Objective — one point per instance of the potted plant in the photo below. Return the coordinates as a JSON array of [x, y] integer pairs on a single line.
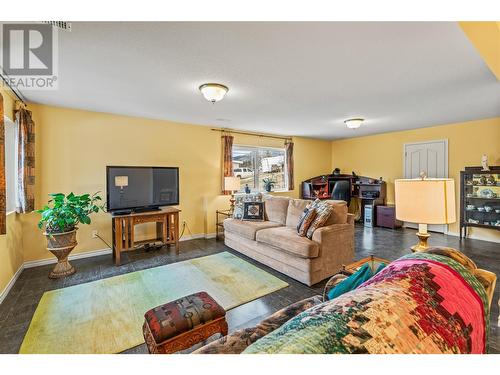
[[60, 218], [268, 184]]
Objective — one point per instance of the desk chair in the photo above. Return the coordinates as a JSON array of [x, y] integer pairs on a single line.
[[342, 191]]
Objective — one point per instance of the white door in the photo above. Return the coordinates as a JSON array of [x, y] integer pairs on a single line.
[[429, 157]]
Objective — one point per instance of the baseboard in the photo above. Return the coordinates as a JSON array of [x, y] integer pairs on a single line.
[[475, 237], [87, 254], [197, 236], [95, 253], [9, 286], [188, 237]]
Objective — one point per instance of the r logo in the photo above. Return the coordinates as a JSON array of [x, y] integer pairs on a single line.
[[27, 49]]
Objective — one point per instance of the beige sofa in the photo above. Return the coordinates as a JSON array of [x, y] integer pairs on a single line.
[[275, 242]]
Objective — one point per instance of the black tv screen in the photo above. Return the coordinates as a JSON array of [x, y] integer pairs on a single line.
[[141, 187]]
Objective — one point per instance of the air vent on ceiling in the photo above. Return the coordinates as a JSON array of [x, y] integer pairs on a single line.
[[62, 25]]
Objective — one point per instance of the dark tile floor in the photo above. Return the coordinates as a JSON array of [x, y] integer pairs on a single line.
[[17, 309]]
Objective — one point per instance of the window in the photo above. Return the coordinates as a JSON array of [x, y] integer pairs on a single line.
[[10, 164], [254, 164]]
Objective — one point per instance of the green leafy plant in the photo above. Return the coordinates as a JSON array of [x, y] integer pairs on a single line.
[[63, 213], [268, 183]]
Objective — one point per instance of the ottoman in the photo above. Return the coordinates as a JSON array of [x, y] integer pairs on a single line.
[[182, 323]]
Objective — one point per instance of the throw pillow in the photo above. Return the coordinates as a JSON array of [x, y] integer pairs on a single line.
[[323, 211], [305, 222], [352, 282], [380, 267], [241, 199], [253, 211]]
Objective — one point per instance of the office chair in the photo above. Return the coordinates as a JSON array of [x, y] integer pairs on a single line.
[[342, 191]]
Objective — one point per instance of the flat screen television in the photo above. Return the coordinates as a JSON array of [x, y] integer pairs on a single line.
[[141, 188]]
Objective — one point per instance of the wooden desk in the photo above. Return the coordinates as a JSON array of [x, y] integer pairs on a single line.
[[167, 230], [371, 192]]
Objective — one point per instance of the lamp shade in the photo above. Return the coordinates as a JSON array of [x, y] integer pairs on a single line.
[[121, 181], [232, 183], [425, 201]]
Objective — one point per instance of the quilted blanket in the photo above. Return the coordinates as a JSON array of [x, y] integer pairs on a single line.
[[421, 303]]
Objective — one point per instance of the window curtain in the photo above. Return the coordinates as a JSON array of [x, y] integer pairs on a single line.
[[227, 159], [3, 218], [289, 164], [26, 161]]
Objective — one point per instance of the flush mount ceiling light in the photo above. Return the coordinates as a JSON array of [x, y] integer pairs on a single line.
[[213, 92], [354, 123]]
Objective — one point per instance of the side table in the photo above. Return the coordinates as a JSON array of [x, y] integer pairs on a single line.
[[220, 215]]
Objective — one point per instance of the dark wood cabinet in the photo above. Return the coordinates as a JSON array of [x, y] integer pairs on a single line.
[[479, 199], [386, 217]]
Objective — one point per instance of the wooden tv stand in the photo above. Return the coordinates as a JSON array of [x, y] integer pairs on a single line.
[[167, 230]]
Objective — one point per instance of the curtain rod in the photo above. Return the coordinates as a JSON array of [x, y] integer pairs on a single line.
[[222, 130], [19, 96]]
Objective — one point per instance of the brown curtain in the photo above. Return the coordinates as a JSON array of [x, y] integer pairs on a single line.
[[289, 164], [227, 159], [3, 218], [26, 161]]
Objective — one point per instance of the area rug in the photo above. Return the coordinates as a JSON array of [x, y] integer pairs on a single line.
[[106, 316]]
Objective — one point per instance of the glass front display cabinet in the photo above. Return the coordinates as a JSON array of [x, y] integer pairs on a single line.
[[479, 199]]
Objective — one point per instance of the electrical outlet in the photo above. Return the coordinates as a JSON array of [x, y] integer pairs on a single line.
[[94, 234]]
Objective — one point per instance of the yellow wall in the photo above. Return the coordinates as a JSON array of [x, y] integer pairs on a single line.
[[11, 250], [11, 245], [382, 155], [73, 148], [485, 36]]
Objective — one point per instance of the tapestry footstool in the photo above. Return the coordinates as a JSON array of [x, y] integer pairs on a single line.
[[182, 323]]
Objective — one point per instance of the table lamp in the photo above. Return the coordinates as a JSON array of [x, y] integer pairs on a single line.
[[232, 184], [425, 201], [121, 181]]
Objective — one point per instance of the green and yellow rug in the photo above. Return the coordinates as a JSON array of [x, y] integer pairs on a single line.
[[106, 316]]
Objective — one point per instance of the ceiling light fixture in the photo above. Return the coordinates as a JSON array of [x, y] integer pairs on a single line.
[[354, 123], [213, 92]]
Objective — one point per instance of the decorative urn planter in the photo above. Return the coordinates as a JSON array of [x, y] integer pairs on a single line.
[[61, 245], [62, 213]]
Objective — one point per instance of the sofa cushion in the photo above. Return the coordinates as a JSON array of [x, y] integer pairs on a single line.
[[247, 229], [295, 210], [339, 213], [287, 239], [276, 209]]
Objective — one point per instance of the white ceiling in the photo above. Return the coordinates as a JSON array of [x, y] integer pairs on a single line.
[[293, 78]]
